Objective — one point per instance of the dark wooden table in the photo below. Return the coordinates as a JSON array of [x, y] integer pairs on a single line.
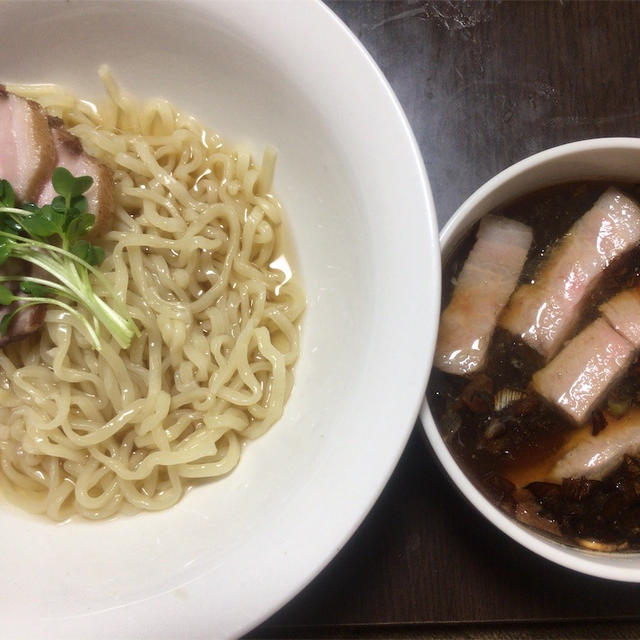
[[483, 84]]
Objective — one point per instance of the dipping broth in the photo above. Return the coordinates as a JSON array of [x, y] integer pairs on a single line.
[[512, 440]]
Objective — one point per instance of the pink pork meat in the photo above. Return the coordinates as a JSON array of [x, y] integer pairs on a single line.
[[544, 313], [596, 456], [23, 324], [579, 376], [26, 160], [70, 155], [623, 314], [31, 145], [488, 277], [26, 148]]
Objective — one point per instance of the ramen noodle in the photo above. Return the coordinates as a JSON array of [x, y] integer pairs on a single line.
[[195, 253]]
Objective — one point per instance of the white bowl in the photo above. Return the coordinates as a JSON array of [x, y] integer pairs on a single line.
[[362, 219], [616, 159]]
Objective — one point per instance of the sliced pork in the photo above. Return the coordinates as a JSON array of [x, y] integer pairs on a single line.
[[595, 456], [26, 148], [623, 314], [580, 375], [488, 277], [70, 155], [544, 313], [27, 159], [31, 146], [24, 323]]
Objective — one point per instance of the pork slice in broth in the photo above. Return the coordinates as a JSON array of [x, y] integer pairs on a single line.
[[26, 147], [544, 313], [488, 277], [594, 457], [582, 373], [623, 314]]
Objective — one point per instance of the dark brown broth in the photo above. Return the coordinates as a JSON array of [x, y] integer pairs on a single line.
[[493, 446]]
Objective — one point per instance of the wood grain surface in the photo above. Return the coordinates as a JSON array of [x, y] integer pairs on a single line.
[[484, 84]]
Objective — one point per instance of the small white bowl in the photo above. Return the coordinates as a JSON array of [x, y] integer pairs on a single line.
[[616, 159]]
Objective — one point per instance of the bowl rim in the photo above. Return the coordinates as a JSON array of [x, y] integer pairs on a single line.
[[580, 560]]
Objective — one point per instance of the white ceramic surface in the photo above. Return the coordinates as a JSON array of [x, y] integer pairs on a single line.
[[607, 159], [363, 225]]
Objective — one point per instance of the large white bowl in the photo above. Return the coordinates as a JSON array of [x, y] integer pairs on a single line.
[[615, 159], [363, 225]]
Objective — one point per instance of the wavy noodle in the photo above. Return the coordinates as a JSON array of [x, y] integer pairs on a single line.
[[196, 253]]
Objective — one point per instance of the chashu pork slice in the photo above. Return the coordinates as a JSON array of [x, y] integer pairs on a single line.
[[581, 374], [544, 313], [488, 277], [24, 323], [26, 147], [31, 146], [70, 155], [595, 456], [27, 159], [623, 314]]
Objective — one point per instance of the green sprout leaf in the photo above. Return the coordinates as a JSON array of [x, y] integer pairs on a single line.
[[62, 181], [81, 249], [4, 323], [10, 226], [59, 204], [67, 186], [80, 185], [53, 215], [78, 226], [5, 251], [7, 197], [37, 226], [51, 238], [35, 289], [96, 257], [6, 297]]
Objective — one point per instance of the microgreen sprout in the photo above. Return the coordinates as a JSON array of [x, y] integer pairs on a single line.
[[51, 237]]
